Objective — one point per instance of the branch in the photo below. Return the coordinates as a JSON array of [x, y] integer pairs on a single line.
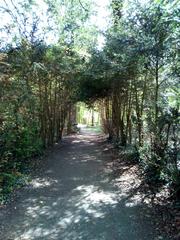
[[13, 16], [83, 6]]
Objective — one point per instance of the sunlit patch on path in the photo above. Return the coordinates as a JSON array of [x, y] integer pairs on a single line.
[[75, 198]]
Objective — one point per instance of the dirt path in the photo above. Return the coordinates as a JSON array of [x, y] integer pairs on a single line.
[[73, 198]]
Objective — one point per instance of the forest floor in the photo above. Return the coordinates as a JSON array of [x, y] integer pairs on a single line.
[[76, 195]]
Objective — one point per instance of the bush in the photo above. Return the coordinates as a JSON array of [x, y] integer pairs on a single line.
[[17, 146], [151, 162]]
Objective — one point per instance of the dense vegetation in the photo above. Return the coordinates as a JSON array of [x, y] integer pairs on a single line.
[[38, 79], [50, 60], [137, 76]]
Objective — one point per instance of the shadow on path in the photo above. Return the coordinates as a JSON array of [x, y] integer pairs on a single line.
[[73, 198]]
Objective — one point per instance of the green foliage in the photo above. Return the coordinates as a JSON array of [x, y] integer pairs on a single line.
[[134, 79], [93, 84], [137, 75], [151, 163], [38, 81], [9, 181]]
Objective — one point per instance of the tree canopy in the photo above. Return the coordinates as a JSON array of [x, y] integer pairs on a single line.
[[51, 58]]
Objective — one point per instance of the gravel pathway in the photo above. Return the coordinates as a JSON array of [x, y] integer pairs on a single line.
[[74, 198]]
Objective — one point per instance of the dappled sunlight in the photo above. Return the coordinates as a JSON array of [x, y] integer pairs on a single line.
[[134, 201], [128, 181], [42, 182], [83, 208], [76, 141], [94, 195], [88, 206], [77, 195], [37, 233], [89, 119], [85, 158]]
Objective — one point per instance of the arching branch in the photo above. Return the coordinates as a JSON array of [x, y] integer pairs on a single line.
[[83, 6]]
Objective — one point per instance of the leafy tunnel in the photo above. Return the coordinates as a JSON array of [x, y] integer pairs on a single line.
[[119, 58]]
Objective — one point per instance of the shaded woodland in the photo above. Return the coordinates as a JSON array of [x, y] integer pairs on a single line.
[[51, 60]]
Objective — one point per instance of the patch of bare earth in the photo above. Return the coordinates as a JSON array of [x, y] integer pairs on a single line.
[[128, 176]]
